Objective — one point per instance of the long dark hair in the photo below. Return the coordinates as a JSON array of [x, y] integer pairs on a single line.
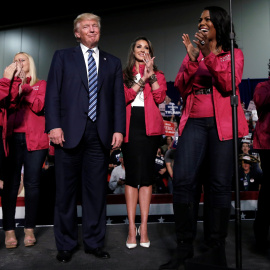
[[221, 20], [128, 71]]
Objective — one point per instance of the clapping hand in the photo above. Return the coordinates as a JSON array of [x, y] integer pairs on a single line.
[[149, 65], [20, 73], [10, 71], [193, 52]]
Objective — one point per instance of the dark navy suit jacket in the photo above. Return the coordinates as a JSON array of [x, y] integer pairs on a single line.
[[66, 101]]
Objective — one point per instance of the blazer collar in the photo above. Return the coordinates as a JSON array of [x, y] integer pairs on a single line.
[[79, 60]]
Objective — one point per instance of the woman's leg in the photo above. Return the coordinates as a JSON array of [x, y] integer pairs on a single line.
[[131, 194], [189, 156], [11, 186], [217, 188], [145, 195], [33, 161]]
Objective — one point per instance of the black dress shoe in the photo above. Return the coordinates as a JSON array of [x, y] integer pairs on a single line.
[[64, 256], [99, 253]]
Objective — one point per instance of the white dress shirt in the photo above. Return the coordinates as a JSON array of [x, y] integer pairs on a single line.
[[86, 54], [139, 99]]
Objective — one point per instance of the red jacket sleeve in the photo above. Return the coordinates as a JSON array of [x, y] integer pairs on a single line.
[[160, 93], [183, 80], [261, 95], [130, 94], [220, 69], [14, 93], [34, 95], [4, 88]]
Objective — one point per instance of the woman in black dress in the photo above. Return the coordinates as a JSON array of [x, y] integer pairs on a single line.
[[145, 87]]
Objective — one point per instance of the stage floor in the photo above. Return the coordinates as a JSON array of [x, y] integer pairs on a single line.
[[42, 256]]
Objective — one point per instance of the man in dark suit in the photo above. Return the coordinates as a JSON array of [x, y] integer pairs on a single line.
[[85, 117]]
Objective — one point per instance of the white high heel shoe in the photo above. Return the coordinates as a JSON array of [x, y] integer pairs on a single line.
[[146, 244], [130, 246]]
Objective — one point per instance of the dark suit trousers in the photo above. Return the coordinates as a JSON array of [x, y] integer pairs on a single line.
[[81, 171]]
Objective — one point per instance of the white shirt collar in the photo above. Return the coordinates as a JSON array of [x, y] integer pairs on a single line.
[[86, 54], [85, 49]]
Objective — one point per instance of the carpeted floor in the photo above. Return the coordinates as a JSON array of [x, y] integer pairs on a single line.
[[42, 256]]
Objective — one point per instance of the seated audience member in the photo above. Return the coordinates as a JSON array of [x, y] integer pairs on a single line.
[[160, 171], [117, 180], [249, 178], [245, 147], [114, 158], [169, 161], [167, 145]]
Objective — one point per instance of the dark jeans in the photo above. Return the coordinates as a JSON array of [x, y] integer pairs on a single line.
[[199, 146], [32, 161]]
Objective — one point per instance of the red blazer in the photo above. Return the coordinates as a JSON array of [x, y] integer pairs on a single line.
[[153, 119], [4, 92], [32, 99], [261, 97], [220, 68]]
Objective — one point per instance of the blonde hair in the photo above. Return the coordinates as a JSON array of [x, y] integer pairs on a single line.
[[32, 68], [85, 16]]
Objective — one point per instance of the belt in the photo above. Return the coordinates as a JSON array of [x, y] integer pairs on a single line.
[[204, 91]]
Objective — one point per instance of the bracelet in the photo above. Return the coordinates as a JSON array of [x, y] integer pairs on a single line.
[[152, 78], [141, 82]]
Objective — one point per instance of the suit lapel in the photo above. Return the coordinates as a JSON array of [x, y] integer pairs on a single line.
[[79, 60], [102, 70]]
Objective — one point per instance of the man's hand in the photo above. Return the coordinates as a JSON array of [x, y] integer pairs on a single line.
[[120, 182], [1, 184], [117, 140], [57, 136], [162, 171]]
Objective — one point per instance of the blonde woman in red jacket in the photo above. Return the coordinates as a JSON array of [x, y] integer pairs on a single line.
[[145, 87], [28, 146]]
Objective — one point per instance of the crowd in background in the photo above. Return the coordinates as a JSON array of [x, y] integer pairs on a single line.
[[250, 172]]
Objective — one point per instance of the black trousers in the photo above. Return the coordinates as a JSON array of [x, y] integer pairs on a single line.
[[81, 170]]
